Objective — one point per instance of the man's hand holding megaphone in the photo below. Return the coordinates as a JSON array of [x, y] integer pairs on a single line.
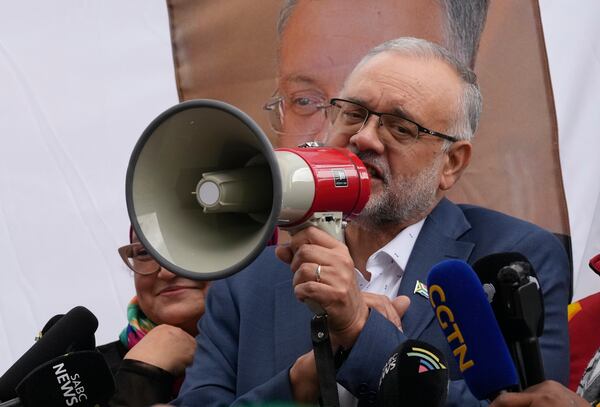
[[335, 289]]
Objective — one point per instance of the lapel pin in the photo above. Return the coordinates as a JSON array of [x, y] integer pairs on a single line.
[[421, 289]]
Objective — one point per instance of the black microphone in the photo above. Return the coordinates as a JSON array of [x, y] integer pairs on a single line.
[[467, 320], [51, 322], [416, 374], [84, 343], [79, 379], [519, 308], [74, 328]]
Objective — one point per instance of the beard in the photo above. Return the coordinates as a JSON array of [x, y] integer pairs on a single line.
[[404, 200]]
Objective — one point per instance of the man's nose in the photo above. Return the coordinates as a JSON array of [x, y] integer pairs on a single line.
[[367, 138]]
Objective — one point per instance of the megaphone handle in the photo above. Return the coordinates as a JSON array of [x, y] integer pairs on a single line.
[[330, 222], [315, 307]]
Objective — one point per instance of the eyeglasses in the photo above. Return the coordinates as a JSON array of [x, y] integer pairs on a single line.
[[136, 257], [349, 118], [302, 113]]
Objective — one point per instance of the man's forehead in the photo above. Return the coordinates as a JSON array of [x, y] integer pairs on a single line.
[[404, 70], [323, 40], [413, 87], [345, 23]]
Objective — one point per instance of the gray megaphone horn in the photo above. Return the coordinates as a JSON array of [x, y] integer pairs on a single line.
[[205, 189]]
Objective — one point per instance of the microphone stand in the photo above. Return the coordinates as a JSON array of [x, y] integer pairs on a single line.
[[520, 315]]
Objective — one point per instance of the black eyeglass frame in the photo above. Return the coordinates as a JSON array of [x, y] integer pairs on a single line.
[[420, 128]]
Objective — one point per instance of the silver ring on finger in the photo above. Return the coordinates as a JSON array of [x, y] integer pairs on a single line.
[[318, 273]]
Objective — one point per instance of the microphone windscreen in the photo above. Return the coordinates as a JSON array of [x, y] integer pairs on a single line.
[[466, 318], [74, 327], [416, 374], [87, 342], [51, 322], [487, 267], [78, 379]]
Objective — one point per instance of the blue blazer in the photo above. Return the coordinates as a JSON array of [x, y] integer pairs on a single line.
[[254, 328]]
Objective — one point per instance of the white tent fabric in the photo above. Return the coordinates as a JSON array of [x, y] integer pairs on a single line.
[[573, 44], [81, 80]]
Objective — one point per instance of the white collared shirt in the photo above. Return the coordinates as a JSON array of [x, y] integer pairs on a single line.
[[386, 266]]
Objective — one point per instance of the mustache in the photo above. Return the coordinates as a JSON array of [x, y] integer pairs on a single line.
[[374, 159]]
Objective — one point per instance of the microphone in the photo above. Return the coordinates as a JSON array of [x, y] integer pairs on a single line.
[[73, 329], [466, 318], [519, 308], [85, 343], [78, 379], [415, 375], [51, 322]]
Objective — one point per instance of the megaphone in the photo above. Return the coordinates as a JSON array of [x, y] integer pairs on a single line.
[[205, 189]]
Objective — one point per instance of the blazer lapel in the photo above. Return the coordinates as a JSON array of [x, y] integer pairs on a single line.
[[436, 242]]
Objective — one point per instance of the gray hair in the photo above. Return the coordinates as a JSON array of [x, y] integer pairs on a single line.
[[284, 15], [465, 20], [469, 101]]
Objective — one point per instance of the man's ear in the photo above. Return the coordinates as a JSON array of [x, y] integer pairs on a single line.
[[456, 160]]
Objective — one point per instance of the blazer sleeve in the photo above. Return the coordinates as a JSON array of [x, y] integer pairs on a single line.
[[361, 371], [211, 380], [140, 384]]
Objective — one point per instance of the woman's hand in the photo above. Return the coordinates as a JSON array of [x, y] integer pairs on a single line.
[[167, 347]]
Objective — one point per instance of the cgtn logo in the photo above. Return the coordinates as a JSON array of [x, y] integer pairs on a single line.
[[445, 318], [71, 386]]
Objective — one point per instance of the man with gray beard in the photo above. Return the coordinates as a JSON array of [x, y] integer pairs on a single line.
[[409, 109], [402, 199]]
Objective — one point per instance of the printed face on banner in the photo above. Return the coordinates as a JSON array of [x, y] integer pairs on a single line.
[[323, 40]]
